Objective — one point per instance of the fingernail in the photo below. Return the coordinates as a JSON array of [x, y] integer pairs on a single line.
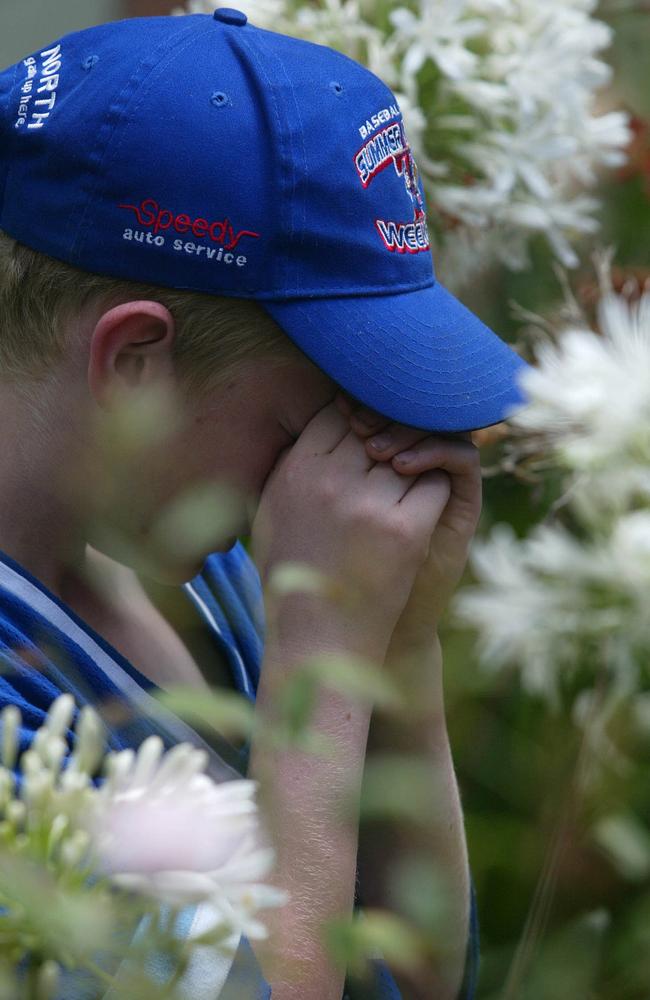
[[405, 457], [381, 442]]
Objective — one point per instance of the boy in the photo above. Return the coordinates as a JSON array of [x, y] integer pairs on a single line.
[[229, 222]]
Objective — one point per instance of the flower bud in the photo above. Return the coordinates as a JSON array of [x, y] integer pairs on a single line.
[[58, 829], [16, 814], [47, 982], [7, 787], [89, 743], [74, 850], [10, 720], [60, 715]]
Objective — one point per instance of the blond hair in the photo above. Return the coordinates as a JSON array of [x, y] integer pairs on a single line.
[[40, 298]]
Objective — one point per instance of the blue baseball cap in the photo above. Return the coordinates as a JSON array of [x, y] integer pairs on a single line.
[[203, 153]]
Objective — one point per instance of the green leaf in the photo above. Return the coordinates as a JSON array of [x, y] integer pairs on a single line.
[[226, 712], [296, 702], [373, 934], [190, 524], [420, 891], [627, 844], [296, 578], [400, 787], [355, 677]]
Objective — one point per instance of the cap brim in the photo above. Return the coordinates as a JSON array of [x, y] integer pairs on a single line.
[[420, 357]]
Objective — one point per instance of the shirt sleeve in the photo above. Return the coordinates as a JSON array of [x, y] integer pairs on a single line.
[[245, 980]]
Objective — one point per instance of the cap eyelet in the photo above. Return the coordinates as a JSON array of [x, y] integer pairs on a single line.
[[89, 62], [219, 99], [336, 87]]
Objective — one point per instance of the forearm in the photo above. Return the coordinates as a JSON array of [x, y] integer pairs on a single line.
[[302, 796], [440, 839]]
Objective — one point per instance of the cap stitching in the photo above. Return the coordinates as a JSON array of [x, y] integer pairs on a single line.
[[245, 42], [449, 400], [405, 315], [291, 201], [296, 105], [378, 291], [364, 360], [117, 110], [374, 358]]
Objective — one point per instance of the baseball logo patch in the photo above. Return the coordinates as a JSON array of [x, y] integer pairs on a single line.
[[383, 147]]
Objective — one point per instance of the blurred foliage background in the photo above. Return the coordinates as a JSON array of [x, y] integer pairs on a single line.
[[515, 756]]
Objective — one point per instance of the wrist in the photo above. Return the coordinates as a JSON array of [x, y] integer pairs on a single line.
[[304, 625], [416, 633], [417, 666]]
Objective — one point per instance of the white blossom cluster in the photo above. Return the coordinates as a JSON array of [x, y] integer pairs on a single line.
[[499, 101], [590, 402], [550, 602], [558, 599], [156, 826]]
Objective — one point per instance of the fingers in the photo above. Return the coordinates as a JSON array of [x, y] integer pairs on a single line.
[[427, 498], [328, 433], [458, 458], [362, 419], [383, 480], [324, 431], [413, 452], [392, 439], [384, 438], [395, 438], [351, 454]]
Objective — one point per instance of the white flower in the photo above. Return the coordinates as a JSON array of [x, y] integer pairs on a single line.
[[163, 828], [590, 398], [438, 31], [545, 602], [559, 601], [338, 23], [157, 825], [542, 46], [513, 607]]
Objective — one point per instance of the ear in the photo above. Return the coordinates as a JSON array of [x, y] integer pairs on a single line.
[[131, 347]]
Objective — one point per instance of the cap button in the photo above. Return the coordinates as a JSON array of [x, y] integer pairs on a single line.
[[230, 16]]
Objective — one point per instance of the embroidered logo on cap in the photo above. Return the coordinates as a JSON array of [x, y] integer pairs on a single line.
[[156, 221], [38, 97], [386, 147], [150, 215]]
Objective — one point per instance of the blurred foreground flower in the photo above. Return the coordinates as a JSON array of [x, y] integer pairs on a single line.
[[163, 828], [498, 98], [156, 830]]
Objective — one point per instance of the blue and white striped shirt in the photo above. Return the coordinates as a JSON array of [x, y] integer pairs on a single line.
[[47, 650]]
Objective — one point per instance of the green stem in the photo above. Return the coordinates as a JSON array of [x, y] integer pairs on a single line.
[[538, 913], [32, 981], [181, 968], [99, 972]]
